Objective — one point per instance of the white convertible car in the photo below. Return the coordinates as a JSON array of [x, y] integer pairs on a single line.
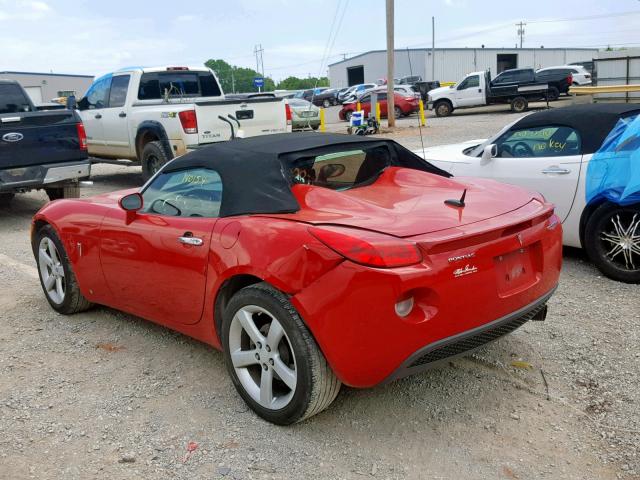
[[549, 152]]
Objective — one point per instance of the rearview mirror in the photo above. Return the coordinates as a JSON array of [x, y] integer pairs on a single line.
[[131, 202], [330, 171], [489, 152]]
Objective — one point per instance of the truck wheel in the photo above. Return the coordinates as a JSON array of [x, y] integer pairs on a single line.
[[443, 109], [272, 358], [326, 103], [153, 158], [5, 199], [553, 94], [519, 104], [612, 241], [68, 191]]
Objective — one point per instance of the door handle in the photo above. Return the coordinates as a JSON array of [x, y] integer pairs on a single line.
[[189, 239], [556, 170], [98, 116], [122, 114]]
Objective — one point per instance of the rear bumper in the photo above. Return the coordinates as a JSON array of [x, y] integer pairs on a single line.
[[466, 342], [37, 176]]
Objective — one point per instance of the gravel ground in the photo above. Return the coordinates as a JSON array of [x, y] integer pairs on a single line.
[[103, 394]]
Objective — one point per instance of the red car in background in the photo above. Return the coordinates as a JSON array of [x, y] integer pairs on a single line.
[[404, 105], [310, 259]]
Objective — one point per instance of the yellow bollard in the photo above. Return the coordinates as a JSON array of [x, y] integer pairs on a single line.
[[322, 124], [357, 106], [422, 120], [378, 112]]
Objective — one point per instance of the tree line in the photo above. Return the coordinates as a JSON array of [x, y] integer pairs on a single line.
[[235, 79]]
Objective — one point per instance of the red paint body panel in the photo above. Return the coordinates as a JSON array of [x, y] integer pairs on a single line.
[[408, 105], [135, 263]]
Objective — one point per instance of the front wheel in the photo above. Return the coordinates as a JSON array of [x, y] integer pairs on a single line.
[[553, 94], [274, 362], [443, 109], [347, 116], [58, 281], [326, 103], [397, 112], [612, 241]]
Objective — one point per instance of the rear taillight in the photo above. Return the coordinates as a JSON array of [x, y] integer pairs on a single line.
[[189, 121], [368, 248], [287, 110], [570, 79], [82, 136]]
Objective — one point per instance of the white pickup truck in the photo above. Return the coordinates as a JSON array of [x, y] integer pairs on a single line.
[[151, 115]]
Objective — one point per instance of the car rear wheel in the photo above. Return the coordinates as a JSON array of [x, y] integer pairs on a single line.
[[56, 276], [347, 115], [443, 109], [273, 360], [153, 159], [612, 241], [398, 112], [553, 94]]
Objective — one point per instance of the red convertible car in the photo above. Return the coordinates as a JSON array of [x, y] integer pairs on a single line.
[[311, 260]]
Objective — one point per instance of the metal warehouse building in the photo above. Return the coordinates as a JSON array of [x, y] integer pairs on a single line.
[[449, 64], [42, 87]]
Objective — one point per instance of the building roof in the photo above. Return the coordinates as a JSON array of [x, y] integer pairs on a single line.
[[425, 49], [47, 74]]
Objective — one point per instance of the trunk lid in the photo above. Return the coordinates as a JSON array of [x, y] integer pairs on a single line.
[[405, 203]]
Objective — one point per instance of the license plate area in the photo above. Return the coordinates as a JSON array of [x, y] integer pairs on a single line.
[[515, 271], [306, 114]]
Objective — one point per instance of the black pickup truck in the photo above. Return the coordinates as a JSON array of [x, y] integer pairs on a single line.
[[39, 149], [557, 82]]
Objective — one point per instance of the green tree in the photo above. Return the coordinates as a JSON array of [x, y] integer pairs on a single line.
[[241, 78], [295, 83]]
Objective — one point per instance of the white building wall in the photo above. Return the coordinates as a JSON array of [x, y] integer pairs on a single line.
[[50, 85], [452, 64]]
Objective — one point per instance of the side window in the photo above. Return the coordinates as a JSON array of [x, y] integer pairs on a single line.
[[551, 141], [97, 96], [382, 96], [470, 82], [118, 93], [194, 192], [523, 76], [504, 78]]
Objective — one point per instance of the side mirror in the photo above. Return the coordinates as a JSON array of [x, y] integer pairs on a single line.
[[489, 152], [83, 104], [131, 202]]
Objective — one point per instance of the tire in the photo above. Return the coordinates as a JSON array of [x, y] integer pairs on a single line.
[[553, 94], [68, 191], [153, 158], [5, 198], [326, 103], [519, 104], [605, 224], [443, 108], [398, 112], [347, 115], [314, 384], [315, 127], [64, 295]]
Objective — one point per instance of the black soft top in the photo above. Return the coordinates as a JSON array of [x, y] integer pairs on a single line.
[[592, 121], [256, 171]]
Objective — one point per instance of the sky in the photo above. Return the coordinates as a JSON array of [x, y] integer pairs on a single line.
[[299, 37]]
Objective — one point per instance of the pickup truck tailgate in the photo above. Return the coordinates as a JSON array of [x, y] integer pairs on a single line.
[[29, 138], [257, 116]]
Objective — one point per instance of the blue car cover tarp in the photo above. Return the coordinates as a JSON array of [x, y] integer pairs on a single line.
[[614, 171]]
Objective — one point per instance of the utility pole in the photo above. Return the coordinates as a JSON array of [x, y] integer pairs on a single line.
[[433, 49], [521, 31], [257, 51], [391, 117]]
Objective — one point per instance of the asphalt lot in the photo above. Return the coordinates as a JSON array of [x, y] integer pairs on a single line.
[[103, 394]]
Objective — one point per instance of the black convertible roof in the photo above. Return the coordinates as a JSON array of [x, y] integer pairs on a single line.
[[592, 121], [255, 171]]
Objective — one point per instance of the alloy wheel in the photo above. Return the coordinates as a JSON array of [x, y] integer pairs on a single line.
[[620, 240], [51, 270], [262, 357]]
